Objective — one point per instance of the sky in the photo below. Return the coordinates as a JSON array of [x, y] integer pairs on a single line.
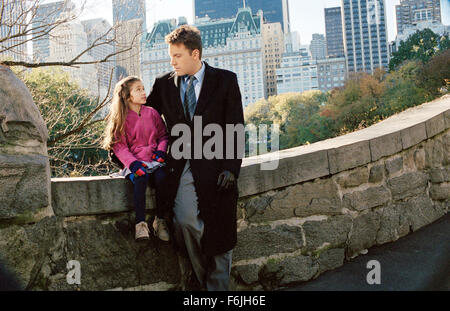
[[306, 16]]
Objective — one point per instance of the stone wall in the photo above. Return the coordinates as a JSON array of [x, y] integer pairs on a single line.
[[325, 203]]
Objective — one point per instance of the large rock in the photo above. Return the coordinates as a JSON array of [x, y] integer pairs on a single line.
[[24, 166], [110, 257], [249, 274], [421, 211], [262, 241], [393, 224], [354, 178], [366, 199], [408, 185], [31, 251], [364, 233], [282, 272], [22, 129], [332, 232], [331, 259], [319, 197]]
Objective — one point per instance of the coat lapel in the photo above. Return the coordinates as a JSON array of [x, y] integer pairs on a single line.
[[175, 94], [207, 90]]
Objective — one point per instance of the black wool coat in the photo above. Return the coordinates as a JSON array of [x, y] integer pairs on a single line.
[[219, 103]]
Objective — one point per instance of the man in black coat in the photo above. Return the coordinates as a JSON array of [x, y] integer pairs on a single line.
[[202, 175]]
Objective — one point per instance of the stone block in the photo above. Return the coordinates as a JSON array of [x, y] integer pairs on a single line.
[[311, 198], [263, 240], [366, 199], [435, 152], [421, 211], [408, 185], [105, 247], [435, 125], [447, 119], [446, 148], [419, 159], [295, 165], [319, 197], [354, 178], [18, 254], [110, 257], [282, 272], [364, 233], [334, 231], [385, 145], [393, 224], [349, 156], [376, 173], [413, 135], [259, 208], [440, 192], [24, 184], [331, 259], [248, 273], [28, 251], [393, 166], [91, 196], [439, 175]]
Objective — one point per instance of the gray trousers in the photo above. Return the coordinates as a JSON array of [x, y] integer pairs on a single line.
[[213, 272]]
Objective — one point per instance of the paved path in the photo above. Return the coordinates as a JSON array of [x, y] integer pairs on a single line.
[[418, 261]]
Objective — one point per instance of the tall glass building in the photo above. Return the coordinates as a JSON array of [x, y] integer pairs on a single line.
[[365, 35], [126, 10], [13, 30], [274, 10], [333, 28], [46, 14]]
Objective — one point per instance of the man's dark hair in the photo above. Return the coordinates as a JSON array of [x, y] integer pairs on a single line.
[[189, 36]]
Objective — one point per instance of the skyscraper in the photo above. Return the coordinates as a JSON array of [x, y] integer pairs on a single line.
[[273, 43], [365, 35], [100, 30], [274, 10], [67, 41], [318, 46], [46, 15], [126, 10], [12, 24], [129, 20], [333, 28], [409, 12]]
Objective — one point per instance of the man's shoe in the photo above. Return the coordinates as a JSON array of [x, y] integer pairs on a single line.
[[142, 231], [160, 229]]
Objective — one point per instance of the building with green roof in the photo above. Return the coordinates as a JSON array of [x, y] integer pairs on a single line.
[[234, 44]]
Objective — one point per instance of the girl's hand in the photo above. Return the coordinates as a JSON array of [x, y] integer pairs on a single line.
[[138, 169], [159, 156]]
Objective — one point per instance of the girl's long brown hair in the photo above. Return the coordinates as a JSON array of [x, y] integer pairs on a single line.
[[115, 126]]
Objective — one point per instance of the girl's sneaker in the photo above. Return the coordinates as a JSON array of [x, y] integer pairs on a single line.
[[160, 229], [142, 231]]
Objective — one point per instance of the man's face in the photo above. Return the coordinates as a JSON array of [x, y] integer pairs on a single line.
[[182, 61]]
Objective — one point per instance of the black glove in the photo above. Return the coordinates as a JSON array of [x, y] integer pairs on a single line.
[[159, 156], [138, 169], [226, 180]]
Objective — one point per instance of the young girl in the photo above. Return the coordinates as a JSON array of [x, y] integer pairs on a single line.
[[138, 137]]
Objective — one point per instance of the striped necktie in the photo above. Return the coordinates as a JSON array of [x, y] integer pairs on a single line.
[[190, 99]]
